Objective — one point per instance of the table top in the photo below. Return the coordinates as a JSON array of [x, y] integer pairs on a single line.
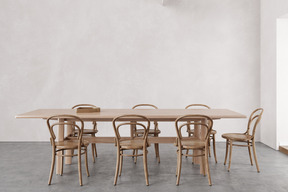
[[152, 114]]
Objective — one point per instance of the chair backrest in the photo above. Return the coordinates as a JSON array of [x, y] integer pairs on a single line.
[[51, 125], [203, 121], [197, 106], [86, 105], [253, 121], [145, 106], [128, 121]]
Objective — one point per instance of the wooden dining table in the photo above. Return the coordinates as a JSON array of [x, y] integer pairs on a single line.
[[107, 115]]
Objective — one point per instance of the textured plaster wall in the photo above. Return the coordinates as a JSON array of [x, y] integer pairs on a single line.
[[54, 54], [270, 11]]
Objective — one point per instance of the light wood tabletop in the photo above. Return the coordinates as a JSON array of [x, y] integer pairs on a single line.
[[152, 114]]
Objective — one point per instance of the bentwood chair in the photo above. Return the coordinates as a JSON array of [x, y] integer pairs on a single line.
[[126, 143], [59, 147], [89, 132], [212, 134], [205, 123], [246, 137], [152, 132]]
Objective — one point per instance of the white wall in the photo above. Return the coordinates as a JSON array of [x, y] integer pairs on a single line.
[[54, 54], [282, 79], [270, 11]]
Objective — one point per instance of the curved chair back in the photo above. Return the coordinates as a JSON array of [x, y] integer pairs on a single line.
[[205, 123], [254, 120], [197, 106], [87, 105], [128, 121], [65, 123], [144, 105], [147, 106]]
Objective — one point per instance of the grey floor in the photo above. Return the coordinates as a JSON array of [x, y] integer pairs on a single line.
[[25, 167]]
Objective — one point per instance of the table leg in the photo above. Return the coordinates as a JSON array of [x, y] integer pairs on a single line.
[[68, 160], [132, 129], [200, 133], [133, 134], [60, 138]]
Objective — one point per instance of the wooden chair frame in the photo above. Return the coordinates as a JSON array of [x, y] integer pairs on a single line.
[[212, 135], [59, 147], [193, 142], [129, 143], [253, 122], [92, 134], [154, 133]]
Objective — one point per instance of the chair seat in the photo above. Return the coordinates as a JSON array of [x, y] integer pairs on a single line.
[[132, 144], [213, 132], [237, 136], [191, 143], [87, 131], [151, 131], [70, 144]]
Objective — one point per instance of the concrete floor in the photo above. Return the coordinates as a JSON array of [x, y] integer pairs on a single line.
[[25, 167]]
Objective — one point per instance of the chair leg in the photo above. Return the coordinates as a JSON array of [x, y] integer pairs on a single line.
[[230, 155], [193, 157], [203, 167], [52, 166], [117, 166], [226, 154], [121, 163], [187, 150], [214, 147], [145, 166], [95, 150], [209, 144], [92, 148], [79, 166], [179, 164], [207, 166], [255, 157], [156, 146], [155, 149], [249, 150], [135, 157], [86, 162], [62, 162]]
